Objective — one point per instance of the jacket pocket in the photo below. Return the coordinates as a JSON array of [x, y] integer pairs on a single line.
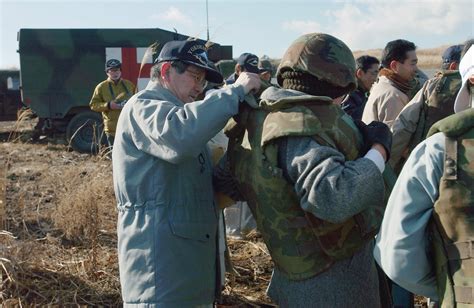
[[194, 231]]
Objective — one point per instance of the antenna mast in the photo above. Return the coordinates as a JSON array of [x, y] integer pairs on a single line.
[[207, 20]]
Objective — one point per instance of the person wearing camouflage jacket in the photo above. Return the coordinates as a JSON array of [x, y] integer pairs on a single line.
[[425, 242], [312, 180]]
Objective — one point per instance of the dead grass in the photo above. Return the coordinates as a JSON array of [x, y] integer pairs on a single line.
[[86, 201], [59, 244]]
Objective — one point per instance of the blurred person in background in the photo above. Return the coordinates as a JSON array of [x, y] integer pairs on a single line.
[[110, 96], [266, 70], [435, 101], [389, 94], [367, 69], [247, 62]]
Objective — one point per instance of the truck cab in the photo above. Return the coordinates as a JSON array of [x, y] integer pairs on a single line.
[[10, 98]]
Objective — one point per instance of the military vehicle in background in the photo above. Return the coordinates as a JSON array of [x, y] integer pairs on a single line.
[[226, 67], [10, 99], [59, 69]]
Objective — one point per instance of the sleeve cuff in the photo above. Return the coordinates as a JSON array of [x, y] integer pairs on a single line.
[[377, 158]]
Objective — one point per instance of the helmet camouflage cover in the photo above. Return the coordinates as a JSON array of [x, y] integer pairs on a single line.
[[322, 56]]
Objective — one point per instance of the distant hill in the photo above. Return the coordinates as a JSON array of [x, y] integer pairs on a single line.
[[428, 58]]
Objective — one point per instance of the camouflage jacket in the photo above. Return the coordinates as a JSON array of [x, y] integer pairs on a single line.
[[432, 103], [303, 244], [105, 92], [452, 225]]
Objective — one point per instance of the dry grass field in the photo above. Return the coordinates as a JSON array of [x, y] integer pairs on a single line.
[[58, 241]]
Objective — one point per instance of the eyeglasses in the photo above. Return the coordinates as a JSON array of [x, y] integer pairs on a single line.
[[200, 79]]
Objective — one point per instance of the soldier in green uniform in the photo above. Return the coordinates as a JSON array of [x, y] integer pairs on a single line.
[[435, 101], [312, 178], [425, 242], [110, 96]]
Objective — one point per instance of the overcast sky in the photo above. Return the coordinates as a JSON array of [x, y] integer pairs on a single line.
[[261, 27]]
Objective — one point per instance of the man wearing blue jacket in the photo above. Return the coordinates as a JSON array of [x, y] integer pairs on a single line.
[[167, 218]]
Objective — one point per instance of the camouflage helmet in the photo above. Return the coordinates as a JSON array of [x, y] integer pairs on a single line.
[[322, 56], [112, 63]]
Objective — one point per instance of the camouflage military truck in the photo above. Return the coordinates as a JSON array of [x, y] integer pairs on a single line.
[[226, 67], [61, 67], [10, 100]]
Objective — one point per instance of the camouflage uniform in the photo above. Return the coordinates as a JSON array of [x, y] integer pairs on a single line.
[[105, 92], [434, 102], [316, 201]]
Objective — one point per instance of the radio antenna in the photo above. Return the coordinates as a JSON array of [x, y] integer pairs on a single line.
[[207, 20]]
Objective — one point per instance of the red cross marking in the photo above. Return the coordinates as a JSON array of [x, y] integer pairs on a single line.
[[130, 67]]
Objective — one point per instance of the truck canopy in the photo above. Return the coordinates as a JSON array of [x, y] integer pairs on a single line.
[[59, 68]]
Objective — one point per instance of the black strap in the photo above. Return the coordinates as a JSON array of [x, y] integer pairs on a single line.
[[112, 90], [123, 85]]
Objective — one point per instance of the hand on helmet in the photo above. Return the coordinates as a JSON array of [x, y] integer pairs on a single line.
[[250, 82]]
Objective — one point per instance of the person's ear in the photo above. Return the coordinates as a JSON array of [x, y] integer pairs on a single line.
[[453, 66], [165, 70], [359, 73], [238, 69], [394, 66]]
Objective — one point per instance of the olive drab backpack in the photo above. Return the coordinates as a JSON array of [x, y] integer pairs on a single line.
[[439, 95], [452, 225]]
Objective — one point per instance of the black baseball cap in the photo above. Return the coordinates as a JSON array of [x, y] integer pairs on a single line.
[[265, 66], [452, 54], [190, 52], [249, 62], [112, 63]]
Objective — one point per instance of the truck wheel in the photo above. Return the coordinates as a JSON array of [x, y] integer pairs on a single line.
[[85, 132]]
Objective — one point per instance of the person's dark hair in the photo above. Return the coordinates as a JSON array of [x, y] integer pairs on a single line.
[[466, 47], [365, 62], [396, 51], [155, 71]]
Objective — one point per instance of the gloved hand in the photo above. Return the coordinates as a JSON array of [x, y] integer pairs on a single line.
[[376, 132]]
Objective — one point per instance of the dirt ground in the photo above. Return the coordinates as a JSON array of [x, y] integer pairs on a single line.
[[58, 240], [58, 243]]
